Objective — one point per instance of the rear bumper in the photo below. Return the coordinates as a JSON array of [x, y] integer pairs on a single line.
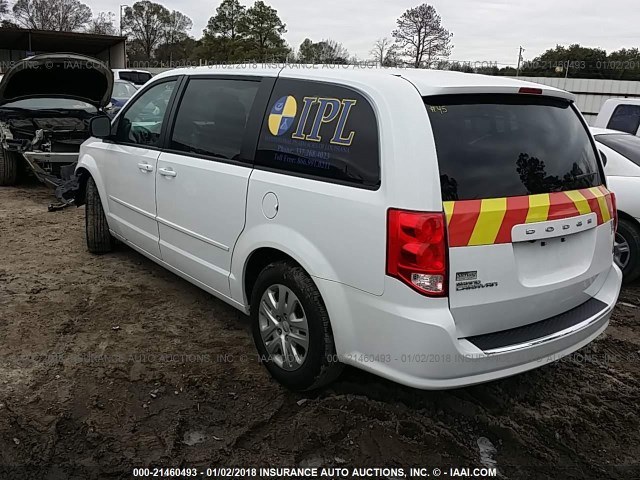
[[417, 345]]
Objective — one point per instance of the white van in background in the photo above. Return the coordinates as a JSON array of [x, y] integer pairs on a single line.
[[622, 114], [137, 77]]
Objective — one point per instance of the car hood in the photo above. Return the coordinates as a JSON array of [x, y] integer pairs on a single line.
[[58, 75]]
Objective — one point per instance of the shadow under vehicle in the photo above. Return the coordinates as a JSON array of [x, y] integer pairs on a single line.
[[46, 104]]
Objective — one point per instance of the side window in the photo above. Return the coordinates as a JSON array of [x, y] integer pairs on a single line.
[[321, 130], [625, 118], [212, 117], [141, 124]]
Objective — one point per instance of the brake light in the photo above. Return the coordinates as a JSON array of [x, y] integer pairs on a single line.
[[531, 91], [417, 250], [614, 206]]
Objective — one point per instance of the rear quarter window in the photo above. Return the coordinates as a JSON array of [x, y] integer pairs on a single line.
[[323, 131], [493, 146]]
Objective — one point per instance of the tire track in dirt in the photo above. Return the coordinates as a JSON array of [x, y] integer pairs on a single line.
[[97, 376]]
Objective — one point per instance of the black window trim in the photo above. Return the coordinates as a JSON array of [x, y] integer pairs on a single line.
[[179, 79], [618, 107], [320, 178], [592, 140], [254, 122]]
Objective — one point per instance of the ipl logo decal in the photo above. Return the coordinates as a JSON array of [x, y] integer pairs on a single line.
[[282, 115]]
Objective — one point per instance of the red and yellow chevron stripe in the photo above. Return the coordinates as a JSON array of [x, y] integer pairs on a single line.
[[490, 221]]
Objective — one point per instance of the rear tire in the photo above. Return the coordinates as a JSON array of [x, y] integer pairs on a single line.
[[285, 292], [99, 240], [628, 235], [9, 167]]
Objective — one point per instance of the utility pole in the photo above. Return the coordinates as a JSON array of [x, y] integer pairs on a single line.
[[519, 60], [121, 23]]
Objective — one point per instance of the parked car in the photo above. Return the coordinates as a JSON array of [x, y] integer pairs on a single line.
[[46, 103], [438, 229], [137, 77], [622, 153], [622, 114], [122, 92]]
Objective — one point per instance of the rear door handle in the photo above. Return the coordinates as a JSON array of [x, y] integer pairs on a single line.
[[167, 172], [145, 167]]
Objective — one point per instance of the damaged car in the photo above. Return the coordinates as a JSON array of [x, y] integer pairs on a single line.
[[46, 104]]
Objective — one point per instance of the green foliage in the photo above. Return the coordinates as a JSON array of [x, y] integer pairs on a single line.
[[624, 64], [582, 62], [576, 61], [222, 41], [178, 53], [150, 25], [237, 33], [262, 31], [326, 52]]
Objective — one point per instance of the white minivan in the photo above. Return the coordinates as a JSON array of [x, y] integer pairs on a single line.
[[438, 229]]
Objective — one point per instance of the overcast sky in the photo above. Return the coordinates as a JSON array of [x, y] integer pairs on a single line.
[[484, 30]]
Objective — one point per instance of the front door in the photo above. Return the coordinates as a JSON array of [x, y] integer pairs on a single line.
[[129, 167]]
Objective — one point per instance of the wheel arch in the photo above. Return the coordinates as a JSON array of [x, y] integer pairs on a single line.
[[257, 260], [630, 218], [80, 195], [87, 168]]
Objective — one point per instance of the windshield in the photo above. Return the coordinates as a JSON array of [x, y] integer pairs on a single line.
[[493, 146], [123, 90], [51, 104], [626, 145]]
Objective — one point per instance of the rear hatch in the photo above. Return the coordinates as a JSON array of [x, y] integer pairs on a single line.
[[529, 219]]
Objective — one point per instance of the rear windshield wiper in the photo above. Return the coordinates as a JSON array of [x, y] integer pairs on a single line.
[[584, 175]]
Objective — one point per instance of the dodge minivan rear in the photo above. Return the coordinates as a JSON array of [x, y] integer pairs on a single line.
[[439, 229]]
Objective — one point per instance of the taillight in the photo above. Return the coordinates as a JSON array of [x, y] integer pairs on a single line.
[[614, 206], [530, 91], [417, 250]]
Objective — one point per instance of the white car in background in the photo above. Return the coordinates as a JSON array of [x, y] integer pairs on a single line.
[[621, 152]]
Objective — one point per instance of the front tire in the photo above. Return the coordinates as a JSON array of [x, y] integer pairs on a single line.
[[99, 240], [291, 328], [627, 250], [9, 168]]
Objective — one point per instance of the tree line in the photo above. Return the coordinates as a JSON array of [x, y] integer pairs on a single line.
[[235, 33], [255, 32]]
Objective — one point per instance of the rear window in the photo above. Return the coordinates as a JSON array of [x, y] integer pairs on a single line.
[[626, 145], [492, 146]]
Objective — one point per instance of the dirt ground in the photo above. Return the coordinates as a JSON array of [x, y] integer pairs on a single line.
[[110, 363]]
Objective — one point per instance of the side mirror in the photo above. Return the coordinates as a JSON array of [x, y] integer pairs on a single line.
[[100, 127], [604, 158]]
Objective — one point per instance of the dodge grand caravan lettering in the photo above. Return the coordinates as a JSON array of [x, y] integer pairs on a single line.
[[438, 229]]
